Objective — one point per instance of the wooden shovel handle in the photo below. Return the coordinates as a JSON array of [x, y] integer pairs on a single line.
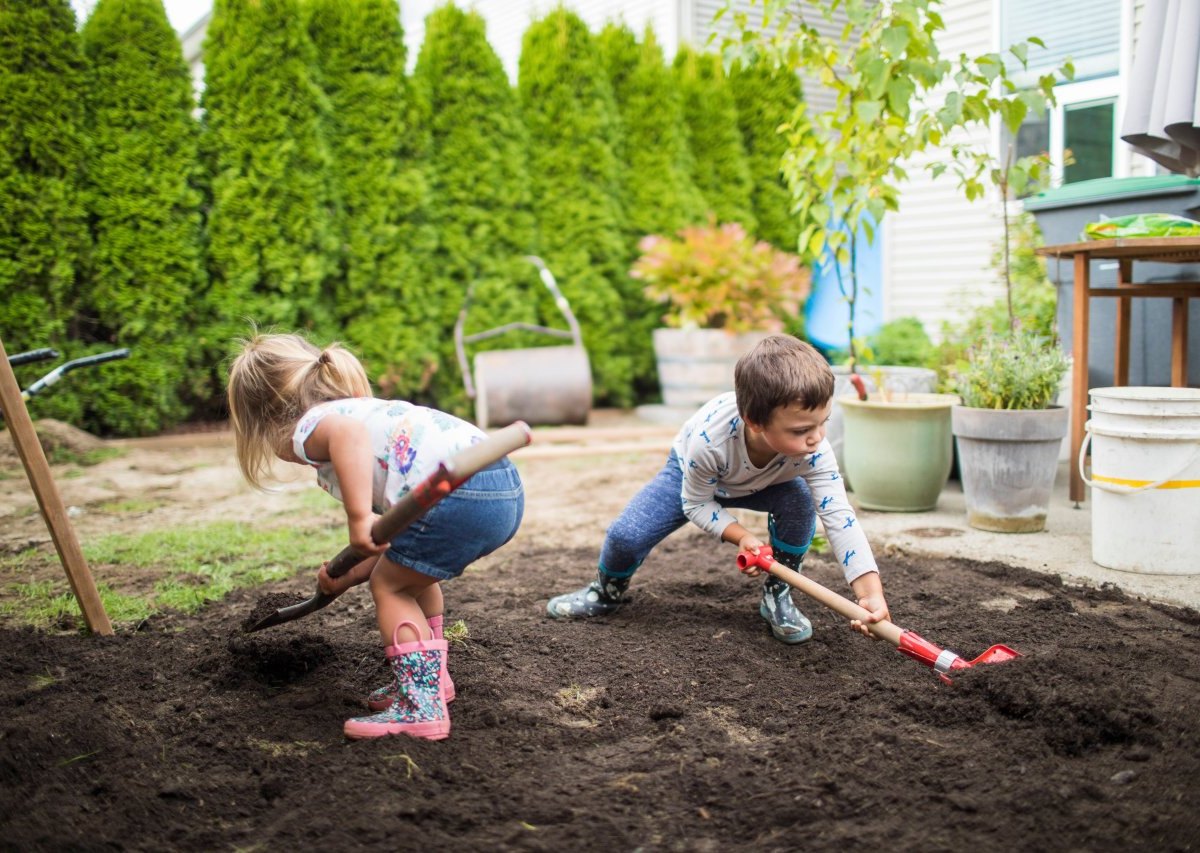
[[839, 604], [450, 474]]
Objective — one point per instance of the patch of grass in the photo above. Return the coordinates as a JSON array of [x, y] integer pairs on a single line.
[[69, 456], [51, 604], [457, 633], [195, 566], [131, 505], [41, 682]]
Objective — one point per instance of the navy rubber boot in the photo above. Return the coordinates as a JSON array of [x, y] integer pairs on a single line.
[[787, 623], [600, 597]]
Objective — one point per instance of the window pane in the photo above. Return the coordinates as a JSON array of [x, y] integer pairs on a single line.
[[1088, 133], [1033, 138]]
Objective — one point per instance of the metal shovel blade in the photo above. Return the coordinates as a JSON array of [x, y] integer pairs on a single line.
[[996, 654]]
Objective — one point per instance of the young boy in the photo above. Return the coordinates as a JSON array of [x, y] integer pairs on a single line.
[[761, 447]]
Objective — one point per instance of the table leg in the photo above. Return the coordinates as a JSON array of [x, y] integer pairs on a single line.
[[1124, 317], [1179, 342], [1079, 381]]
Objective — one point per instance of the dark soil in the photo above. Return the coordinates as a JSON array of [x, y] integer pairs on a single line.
[[676, 724]]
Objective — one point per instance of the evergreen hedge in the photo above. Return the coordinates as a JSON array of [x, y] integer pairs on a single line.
[[567, 105], [481, 203], [378, 142], [273, 227], [720, 169], [766, 97], [43, 235], [145, 217], [657, 188]]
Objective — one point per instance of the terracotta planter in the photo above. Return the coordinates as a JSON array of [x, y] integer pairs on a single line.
[[898, 453], [1007, 460]]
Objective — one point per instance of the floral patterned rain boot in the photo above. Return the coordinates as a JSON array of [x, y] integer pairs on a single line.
[[418, 710], [600, 597], [381, 697], [787, 623]]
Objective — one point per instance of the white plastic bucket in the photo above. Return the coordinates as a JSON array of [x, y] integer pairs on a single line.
[[1145, 479]]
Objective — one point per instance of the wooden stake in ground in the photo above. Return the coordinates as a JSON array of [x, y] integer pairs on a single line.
[[38, 470]]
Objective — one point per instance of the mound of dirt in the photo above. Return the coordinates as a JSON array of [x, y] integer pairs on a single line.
[[55, 437]]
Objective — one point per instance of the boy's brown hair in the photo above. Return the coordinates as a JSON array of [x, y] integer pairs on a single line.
[[779, 371]]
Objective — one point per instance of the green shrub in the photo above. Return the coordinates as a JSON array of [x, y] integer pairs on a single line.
[[567, 105], [273, 240], [481, 204], [145, 217], [378, 140], [719, 166], [1015, 370], [766, 98], [901, 342], [43, 235]]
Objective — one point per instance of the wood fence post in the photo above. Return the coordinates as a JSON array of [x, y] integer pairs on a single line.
[[25, 439]]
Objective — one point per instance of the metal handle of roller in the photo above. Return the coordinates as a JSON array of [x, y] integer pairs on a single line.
[[449, 476]]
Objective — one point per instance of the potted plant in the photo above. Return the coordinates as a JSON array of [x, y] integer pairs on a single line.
[[724, 292], [844, 166], [1009, 434]]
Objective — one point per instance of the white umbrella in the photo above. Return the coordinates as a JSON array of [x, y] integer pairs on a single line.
[[1162, 113]]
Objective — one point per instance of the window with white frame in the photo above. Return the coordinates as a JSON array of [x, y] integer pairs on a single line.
[[1084, 122]]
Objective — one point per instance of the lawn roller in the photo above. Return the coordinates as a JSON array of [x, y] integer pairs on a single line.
[[538, 385], [450, 474], [63, 369], [942, 661]]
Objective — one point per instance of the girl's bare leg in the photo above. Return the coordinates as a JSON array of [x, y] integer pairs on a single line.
[[431, 600], [396, 590]]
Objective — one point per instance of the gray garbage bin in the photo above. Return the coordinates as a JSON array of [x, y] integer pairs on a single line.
[[1062, 214]]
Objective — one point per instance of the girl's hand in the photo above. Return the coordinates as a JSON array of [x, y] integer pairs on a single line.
[[750, 544], [360, 535], [359, 573], [879, 612]]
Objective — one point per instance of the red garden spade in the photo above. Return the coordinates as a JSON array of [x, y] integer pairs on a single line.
[[942, 661], [450, 474]]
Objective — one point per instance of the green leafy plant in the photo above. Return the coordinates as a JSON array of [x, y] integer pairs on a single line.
[[1017, 370], [718, 277], [902, 342]]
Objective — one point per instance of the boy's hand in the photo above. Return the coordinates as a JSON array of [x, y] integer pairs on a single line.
[[879, 612], [750, 544]]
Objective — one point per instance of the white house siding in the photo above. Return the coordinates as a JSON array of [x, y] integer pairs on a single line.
[[937, 248]]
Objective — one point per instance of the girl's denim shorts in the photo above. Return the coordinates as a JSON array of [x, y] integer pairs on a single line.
[[472, 521]]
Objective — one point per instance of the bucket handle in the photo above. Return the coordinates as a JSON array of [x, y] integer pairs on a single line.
[[1118, 489]]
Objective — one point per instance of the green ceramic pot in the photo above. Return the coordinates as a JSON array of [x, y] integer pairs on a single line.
[[898, 453]]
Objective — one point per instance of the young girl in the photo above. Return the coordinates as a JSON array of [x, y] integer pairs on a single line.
[[290, 400]]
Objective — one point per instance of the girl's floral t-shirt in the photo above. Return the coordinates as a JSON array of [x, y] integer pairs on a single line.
[[408, 443]]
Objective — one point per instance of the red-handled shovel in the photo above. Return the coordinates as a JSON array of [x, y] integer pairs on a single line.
[[450, 474], [942, 661]]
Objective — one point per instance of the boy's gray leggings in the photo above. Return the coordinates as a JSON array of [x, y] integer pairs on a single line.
[[657, 511]]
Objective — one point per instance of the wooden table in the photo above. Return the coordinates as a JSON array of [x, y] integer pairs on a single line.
[[1177, 250]]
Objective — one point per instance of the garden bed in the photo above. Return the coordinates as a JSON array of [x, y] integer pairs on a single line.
[[676, 724]]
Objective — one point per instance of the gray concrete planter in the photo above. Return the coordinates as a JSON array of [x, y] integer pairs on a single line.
[[1007, 461]]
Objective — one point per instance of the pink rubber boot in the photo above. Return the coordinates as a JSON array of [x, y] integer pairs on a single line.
[[418, 709], [381, 697]]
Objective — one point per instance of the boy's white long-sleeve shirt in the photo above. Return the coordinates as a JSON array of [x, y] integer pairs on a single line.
[[715, 463]]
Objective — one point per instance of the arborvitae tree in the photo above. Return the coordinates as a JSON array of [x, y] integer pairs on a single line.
[[567, 103], [481, 199], [719, 165], [43, 233], [272, 229], [378, 139], [145, 216], [660, 197], [766, 97]]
